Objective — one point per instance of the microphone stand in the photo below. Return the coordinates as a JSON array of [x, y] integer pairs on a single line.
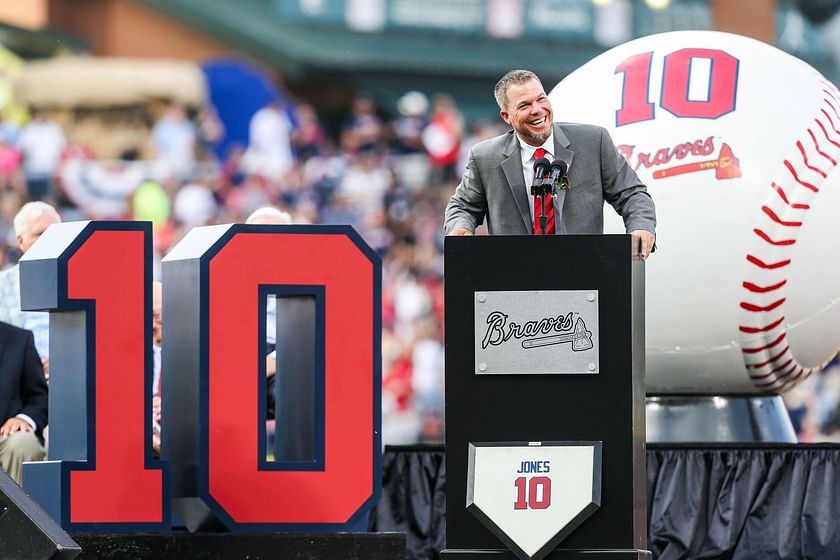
[[542, 188]]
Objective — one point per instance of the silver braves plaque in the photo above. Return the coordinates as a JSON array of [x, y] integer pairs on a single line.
[[526, 332]]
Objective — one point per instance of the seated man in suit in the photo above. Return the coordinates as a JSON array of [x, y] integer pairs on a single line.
[[23, 401], [496, 184]]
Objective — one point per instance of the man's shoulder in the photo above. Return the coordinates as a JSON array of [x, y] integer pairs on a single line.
[[9, 271], [492, 146], [11, 332], [580, 129], [9, 282]]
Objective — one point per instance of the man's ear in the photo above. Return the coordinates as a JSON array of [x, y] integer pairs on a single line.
[[505, 116], [19, 239]]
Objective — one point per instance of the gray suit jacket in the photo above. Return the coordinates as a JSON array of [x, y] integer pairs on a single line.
[[493, 186]]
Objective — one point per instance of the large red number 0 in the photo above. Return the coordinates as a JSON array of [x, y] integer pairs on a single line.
[[218, 357], [718, 99], [332, 493]]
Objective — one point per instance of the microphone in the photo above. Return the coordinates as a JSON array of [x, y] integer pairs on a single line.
[[558, 170], [541, 167]]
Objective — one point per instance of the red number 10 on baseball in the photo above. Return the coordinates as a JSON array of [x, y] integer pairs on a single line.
[[95, 278]]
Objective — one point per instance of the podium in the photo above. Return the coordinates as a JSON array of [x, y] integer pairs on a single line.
[[545, 398]]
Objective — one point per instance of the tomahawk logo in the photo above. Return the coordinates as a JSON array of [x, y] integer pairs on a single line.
[[699, 155], [566, 327]]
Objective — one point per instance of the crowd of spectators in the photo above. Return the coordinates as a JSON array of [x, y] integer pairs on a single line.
[[387, 175]]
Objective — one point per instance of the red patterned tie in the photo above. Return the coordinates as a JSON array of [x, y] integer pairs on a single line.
[[549, 205]]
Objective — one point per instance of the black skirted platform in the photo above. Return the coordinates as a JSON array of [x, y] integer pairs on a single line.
[[741, 502]]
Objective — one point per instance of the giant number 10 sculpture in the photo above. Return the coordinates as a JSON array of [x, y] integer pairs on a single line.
[[95, 278]]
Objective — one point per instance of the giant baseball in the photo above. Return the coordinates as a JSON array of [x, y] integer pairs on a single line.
[[738, 143]]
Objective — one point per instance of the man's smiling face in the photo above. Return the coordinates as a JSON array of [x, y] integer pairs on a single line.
[[529, 112]]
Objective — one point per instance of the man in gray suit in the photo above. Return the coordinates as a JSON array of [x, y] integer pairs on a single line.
[[496, 183]]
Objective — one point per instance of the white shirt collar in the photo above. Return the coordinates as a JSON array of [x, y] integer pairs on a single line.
[[528, 150]]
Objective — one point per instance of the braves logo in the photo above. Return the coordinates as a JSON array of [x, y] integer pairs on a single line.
[[725, 164], [499, 330]]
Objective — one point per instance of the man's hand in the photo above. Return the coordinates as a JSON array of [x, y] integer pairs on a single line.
[[13, 425], [643, 242], [460, 231]]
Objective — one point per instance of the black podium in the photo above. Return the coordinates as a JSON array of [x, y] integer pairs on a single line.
[[544, 347]]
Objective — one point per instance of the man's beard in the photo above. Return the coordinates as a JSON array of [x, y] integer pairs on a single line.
[[538, 138]]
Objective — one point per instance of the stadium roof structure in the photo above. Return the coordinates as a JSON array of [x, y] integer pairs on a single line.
[[29, 44], [389, 62]]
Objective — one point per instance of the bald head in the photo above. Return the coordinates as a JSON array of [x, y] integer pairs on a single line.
[[31, 221], [268, 215]]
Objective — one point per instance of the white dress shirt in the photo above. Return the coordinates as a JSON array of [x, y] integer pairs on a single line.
[[526, 151]]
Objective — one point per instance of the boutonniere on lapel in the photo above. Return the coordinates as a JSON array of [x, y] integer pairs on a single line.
[[560, 176], [563, 184]]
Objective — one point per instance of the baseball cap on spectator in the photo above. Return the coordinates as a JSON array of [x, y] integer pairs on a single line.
[[195, 205], [413, 104]]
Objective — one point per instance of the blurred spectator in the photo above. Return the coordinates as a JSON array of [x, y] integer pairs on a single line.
[[308, 136], [210, 131], [9, 131], [23, 401], [268, 215], [10, 167], [252, 194], [157, 339], [442, 138], [41, 142], [29, 223], [174, 141], [366, 182], [401, 421], [408, 126], [411, 164], [269, 150], [427, 376], [233, 170], [362, 129]]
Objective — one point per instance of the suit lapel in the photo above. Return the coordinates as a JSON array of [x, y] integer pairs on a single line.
[[563, 153], [512, 167]]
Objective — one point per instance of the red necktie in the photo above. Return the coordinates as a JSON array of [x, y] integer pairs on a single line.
[[549, 205]]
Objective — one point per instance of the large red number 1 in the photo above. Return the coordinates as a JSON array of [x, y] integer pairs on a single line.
[[719, 98], [98, 275]]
